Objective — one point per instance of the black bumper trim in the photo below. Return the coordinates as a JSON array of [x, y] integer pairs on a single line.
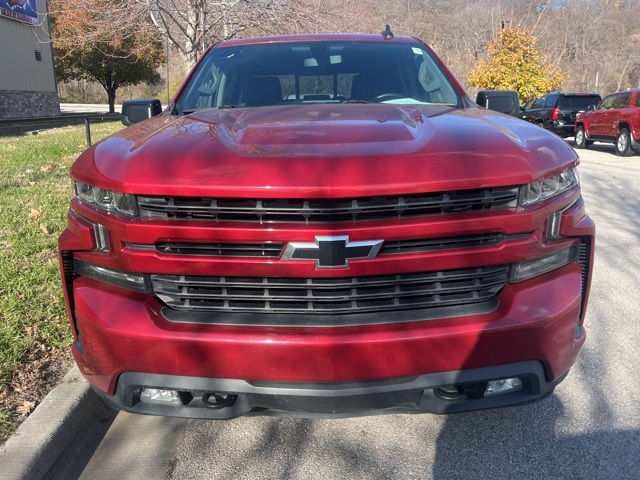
[[335, 400], [329, 320]]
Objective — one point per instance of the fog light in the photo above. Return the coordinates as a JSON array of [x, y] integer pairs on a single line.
[[506, 385], [160, 396]]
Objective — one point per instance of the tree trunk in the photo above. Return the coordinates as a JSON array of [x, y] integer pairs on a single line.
[[111, 94]]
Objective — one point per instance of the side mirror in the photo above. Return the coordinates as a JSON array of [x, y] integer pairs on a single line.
[[503, 101], [134, 111]]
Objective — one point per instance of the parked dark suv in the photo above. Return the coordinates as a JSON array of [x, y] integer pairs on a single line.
[[557, 111]]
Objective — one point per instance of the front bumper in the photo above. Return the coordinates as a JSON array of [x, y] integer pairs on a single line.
[[563, 129], [404, 395], [125, 344]]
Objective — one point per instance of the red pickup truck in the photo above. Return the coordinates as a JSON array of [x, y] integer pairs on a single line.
[[325, 225], [615, 120]]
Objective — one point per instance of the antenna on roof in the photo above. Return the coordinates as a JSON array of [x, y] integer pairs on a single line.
[[387, 34]]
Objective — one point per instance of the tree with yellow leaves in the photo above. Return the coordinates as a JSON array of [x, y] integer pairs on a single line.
[[515, 63]]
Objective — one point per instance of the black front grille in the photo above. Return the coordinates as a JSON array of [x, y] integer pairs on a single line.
[[326, 210], [447, 243], [330, 296], [271, 250], [274, 250]]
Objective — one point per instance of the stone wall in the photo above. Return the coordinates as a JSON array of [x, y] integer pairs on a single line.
[[17, 104]]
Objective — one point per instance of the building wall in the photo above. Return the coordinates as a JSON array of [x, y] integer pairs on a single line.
[[27, 76]]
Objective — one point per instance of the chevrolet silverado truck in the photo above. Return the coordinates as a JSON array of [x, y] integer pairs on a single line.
[[615, 120], [325, 226]]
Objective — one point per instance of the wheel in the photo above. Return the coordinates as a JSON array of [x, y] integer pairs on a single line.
[[580, 139], [623, 143]]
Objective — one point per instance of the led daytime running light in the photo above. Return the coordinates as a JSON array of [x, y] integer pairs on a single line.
[[132, 281], [525, 270]]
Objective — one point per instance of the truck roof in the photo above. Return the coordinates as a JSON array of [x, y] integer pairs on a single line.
[[318, 37]]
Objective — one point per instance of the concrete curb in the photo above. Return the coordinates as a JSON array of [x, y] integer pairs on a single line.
[[42, 438]]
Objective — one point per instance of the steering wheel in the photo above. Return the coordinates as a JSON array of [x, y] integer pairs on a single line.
[[383, 97]]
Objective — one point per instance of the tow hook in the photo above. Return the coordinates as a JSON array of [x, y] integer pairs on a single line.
[[216, 401]]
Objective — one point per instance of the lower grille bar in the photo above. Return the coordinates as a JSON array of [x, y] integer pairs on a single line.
[[330, 296]]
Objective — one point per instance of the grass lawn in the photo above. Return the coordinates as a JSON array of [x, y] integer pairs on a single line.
[[34, 331]]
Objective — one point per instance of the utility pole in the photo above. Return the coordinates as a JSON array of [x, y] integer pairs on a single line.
[[167, 62]]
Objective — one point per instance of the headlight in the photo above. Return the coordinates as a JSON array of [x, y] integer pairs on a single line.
[[548, 187], [105, 199]]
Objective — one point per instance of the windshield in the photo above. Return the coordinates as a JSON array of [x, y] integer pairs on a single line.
[[317, 72]]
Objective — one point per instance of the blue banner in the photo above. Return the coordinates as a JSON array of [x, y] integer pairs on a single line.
[[22, 10]]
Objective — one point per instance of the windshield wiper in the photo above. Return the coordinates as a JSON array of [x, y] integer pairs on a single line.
[[188, 111], [355, 101]]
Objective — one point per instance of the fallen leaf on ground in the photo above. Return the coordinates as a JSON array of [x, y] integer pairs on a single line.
[[26, 408]]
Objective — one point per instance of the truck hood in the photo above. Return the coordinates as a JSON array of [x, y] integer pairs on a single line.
[[321, 151]]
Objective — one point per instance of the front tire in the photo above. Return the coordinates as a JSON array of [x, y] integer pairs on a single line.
[[580, 139], [623, 143]]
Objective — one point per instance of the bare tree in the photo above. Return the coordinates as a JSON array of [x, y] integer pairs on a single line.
[[89, 22], [191, 25], [597, 42], [324, 16], [592, 40]]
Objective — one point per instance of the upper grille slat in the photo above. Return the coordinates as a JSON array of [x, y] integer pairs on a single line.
[[326, 210]]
